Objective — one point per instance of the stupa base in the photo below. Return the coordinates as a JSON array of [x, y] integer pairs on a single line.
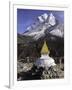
[[45, 61]]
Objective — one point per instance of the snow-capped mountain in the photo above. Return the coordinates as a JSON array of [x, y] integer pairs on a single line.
[[44, 23]]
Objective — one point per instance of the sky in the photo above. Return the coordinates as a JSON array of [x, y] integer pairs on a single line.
[[26, 17]]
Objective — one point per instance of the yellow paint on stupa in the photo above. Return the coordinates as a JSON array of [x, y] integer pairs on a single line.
[[45, 49]]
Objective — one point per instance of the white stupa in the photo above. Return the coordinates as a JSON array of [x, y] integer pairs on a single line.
[[45, 60]]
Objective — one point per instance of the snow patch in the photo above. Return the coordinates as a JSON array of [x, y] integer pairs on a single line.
[[57, 32]]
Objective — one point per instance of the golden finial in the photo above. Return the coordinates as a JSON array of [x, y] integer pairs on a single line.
[[44, 49]]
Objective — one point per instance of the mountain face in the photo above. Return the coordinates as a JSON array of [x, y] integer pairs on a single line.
[[46, 24], [48, 28]]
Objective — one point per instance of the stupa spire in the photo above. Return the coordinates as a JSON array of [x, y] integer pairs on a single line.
[[44, 49]]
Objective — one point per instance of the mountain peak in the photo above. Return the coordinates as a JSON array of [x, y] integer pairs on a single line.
[[52, 20], [43, 17]]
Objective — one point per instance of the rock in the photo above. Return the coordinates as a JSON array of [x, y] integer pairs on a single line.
[[36, 73], [51, 73], [47, 73]]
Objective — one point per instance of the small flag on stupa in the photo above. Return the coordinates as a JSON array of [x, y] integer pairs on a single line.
[[45, 49]]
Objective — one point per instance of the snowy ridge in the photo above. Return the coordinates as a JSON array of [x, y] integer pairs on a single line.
[[45, 21], [57, 32]]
